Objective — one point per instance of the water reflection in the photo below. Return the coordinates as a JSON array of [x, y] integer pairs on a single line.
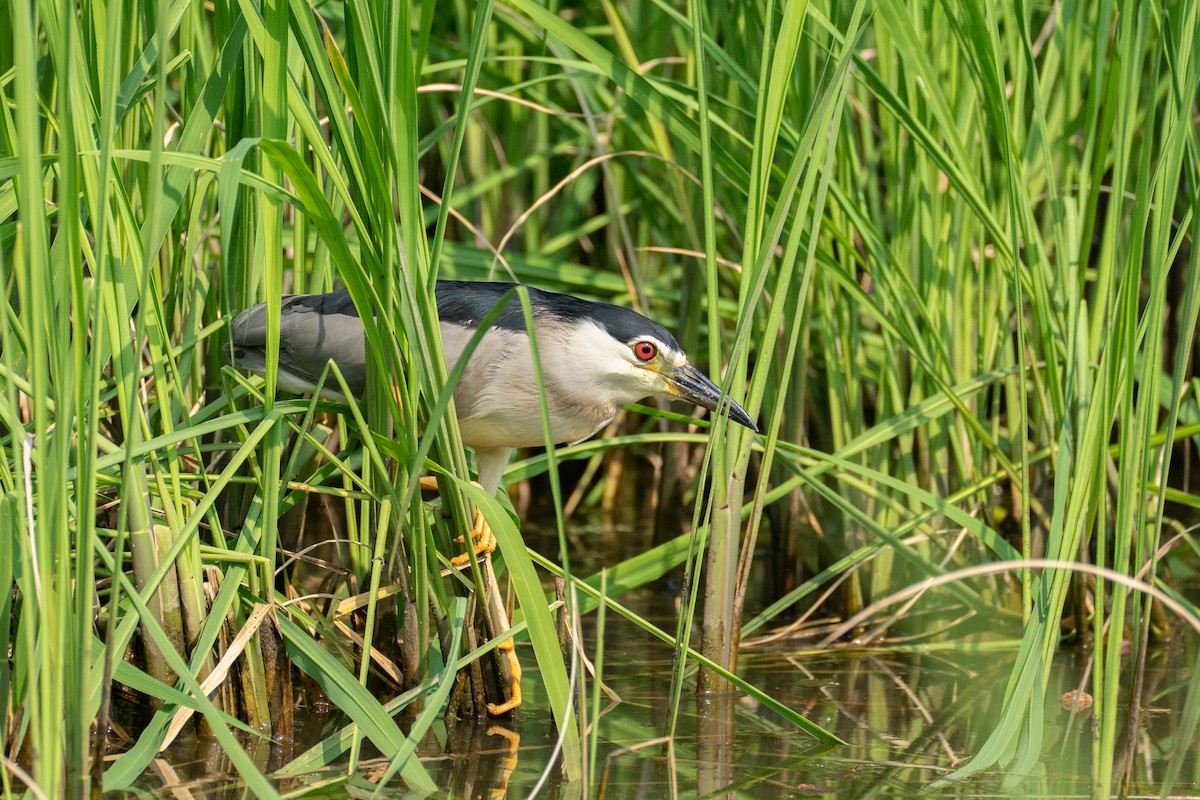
[[908, 718]]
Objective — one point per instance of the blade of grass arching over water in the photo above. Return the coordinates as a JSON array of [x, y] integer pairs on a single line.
[[655, 562]]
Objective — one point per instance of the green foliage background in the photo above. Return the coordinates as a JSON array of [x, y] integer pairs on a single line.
[[944, 250]]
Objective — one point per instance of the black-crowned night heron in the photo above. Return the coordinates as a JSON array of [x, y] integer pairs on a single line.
[[595, 358]]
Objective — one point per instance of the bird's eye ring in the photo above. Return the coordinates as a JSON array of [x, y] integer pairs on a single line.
[[645, 351]]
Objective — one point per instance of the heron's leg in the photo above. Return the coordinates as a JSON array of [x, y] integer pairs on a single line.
[[514, 686], [499, 619], [482, 539]]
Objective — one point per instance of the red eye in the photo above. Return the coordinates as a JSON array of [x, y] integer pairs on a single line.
[[645, 350]]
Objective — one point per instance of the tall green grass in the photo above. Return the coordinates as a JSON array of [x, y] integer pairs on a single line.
[[943, 251]]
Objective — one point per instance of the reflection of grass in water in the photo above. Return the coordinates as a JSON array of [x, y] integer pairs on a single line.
[[946, 252]]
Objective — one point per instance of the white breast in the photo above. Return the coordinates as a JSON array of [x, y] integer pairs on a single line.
[[497, 398]]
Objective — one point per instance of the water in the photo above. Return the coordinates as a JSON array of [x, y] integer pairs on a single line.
[[907, 718]]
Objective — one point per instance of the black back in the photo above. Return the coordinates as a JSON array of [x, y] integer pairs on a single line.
[[468, 302]]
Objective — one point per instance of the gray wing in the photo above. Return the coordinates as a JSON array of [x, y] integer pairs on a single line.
[[313, 330]]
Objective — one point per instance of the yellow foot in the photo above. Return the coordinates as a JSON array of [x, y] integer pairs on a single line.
[[514, 689], [483, 540]]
